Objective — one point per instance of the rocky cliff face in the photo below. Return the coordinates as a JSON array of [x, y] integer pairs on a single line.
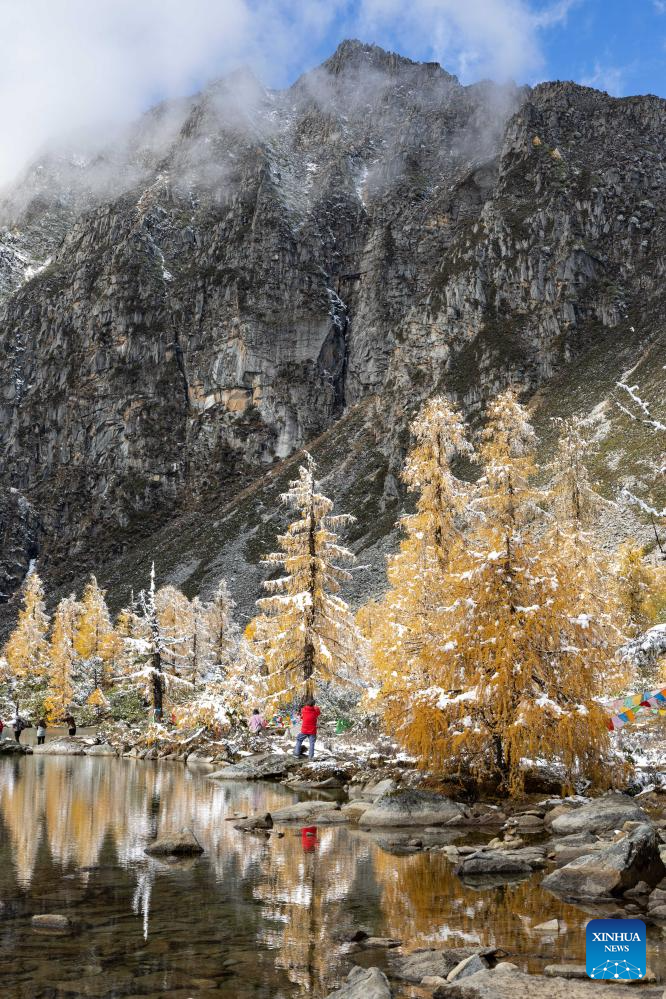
[[190, 306]]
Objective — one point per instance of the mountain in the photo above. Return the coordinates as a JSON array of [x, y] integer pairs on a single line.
[[249, 272]]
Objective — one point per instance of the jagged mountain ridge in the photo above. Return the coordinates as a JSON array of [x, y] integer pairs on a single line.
[[246, 266]]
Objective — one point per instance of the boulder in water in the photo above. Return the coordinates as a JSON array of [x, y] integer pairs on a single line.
[[415, 808], [180, 844], [363, 983], [255, 823], [51, 921], [305, 811], [354, 810], [197, 761], [9, 747], [432, 963], [468, 966], [493, 862], [613, 870]]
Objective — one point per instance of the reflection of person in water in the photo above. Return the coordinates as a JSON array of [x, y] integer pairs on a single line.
[[309, 838]]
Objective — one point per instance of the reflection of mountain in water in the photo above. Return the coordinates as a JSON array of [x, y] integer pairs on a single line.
[[252, 918]]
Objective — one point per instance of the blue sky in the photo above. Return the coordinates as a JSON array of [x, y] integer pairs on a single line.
[[613, 45], [68, 66]]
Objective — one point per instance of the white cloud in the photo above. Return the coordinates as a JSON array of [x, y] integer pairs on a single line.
[[555, 13], [497, 38], [608, 78], [66, 65], [69, 64]]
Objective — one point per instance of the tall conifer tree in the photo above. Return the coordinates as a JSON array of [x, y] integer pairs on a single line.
[[305, 631]]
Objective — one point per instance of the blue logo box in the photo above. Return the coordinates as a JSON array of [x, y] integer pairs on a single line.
[[615, 949]]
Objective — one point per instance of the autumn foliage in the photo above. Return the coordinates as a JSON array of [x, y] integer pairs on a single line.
[[499, 633], [305, 631]]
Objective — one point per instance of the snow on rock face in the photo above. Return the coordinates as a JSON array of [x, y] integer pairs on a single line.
[[647, 649]]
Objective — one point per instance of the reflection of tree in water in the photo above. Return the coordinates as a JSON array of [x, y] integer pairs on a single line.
[[314, 891], [19, 801], [273, 910], [141, 897], [424, 901], [154, 811], [93, 819]]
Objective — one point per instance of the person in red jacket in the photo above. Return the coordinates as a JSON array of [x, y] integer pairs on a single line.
[[309, 715]]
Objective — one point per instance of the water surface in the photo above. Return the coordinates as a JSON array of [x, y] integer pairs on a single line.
[[252, 918]]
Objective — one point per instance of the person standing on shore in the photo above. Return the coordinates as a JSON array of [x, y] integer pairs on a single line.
[[18, 725], [257, 722], [309, 716], [41, 732], [71, 725]]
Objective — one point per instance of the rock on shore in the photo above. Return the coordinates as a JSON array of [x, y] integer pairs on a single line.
[[599, 816], [613, 870], [61, 747], [507, 982], [259, 767], [8, 747]]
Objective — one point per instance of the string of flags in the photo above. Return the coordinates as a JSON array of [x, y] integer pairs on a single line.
[[627, 708]]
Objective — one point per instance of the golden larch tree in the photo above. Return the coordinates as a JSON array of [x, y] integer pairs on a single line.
[[409, 625], [95, 643], [26, 650], [525, 649], [219, 622], [639, 586], [62, 660], [306, 631], [175, 615]]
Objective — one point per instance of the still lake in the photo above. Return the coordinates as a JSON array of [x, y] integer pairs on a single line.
[[251, 918]]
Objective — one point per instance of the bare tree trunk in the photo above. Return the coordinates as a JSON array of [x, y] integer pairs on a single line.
[[195, 650], [500, 762], [158, 687]]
